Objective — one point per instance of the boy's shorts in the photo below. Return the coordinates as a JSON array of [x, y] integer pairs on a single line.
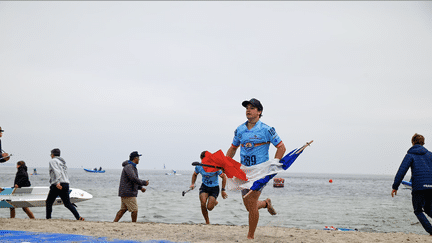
[[211, 191]]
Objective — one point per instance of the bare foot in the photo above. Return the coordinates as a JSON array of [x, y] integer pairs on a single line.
[[270, 208]]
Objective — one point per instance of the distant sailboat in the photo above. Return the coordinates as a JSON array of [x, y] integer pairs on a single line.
[[172, 173]]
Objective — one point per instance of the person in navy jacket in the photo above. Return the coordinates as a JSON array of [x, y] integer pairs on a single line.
[[419, 159]]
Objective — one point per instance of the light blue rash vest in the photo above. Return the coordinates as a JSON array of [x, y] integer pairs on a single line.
[[209, 179], [255, 143]]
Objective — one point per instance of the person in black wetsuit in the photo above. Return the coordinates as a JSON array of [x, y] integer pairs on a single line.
[[22, 180]]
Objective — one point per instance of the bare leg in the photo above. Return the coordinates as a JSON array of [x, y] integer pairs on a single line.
[[28, 212], [134, 216], [211, 203], [12, 213], [253, 205], [119, 215], [203, 199]]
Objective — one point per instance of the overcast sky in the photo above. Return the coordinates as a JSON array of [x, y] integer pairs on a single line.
[[102, 79]]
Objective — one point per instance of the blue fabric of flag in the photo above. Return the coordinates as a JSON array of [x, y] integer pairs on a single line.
[[286, 162]]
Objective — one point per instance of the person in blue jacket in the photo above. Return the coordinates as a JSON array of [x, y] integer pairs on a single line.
[[419, 159]]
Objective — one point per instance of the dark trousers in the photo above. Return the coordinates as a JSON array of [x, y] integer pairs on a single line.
[[422, 202], [64, 195]]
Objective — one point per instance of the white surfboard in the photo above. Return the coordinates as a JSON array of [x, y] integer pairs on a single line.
[[36, 197]]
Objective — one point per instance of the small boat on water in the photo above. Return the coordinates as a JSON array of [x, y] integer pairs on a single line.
[[278, 182], [94, 171], [172, 173]]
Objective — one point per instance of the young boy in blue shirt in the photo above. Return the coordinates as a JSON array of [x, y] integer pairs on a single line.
[[209, 190], [254, 138]]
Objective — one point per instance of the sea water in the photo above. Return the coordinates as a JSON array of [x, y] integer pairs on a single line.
[[308, 201]]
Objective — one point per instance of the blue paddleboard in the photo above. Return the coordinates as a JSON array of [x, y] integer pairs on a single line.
[[407, 184]]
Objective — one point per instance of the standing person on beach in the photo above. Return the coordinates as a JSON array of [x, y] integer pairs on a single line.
[[209, 190], [3, 156], [59, 181], [255, 137], [22, 180], [129, 186], [419, 159]]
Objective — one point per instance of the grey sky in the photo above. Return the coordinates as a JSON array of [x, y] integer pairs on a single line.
[[101, 79]]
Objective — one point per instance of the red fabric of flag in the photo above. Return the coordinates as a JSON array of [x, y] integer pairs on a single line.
[[231, 167]]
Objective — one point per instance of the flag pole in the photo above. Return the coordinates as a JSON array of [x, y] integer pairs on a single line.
[[304, 146]]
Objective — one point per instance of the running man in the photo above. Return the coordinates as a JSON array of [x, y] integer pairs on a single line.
[[59, 181], [419, 159], [255, 137], [209, 190]]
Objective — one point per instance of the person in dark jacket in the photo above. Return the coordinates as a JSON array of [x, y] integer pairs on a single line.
[[3, 156], [129, 186], [419, 159], [22, 180]]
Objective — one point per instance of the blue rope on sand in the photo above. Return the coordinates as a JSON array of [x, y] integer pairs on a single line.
[[25, 236]]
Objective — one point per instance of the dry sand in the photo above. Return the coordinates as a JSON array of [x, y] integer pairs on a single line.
[[200, 232]]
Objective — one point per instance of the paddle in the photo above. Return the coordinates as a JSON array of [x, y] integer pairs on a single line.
[[184, 192], [200, 164], [211, 166]]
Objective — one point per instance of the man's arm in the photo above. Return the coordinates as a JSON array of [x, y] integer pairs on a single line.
[[130, 173], [231, 151], [56, 170], [224, 180], [403, 169], [280, 151], [4, 157], [3, 154], [194, 178]]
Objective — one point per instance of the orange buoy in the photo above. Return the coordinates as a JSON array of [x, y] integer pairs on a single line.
[[331, 181]]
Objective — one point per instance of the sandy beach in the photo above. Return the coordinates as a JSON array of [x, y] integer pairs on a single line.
[[200, 232]]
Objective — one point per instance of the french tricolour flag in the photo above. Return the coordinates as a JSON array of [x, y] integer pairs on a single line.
[[259, 175]]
